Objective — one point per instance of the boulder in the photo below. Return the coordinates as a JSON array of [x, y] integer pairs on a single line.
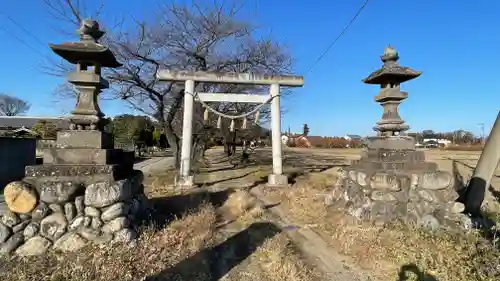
[[31, 230], [34, 246], [95, 235], [69, 211], [116, 210], [12, 243], [103, 194], [58, 191], [20, 227], [25, 216], [87, 221], [436, 180], [385, 182], [76, 223], [40, 212], [56, 208], [5, 232], [53, 226], [115, 225], [92, 212], [10, 219], [69, 242], [125, 235], [79, 205], [96, 223], [20, 197]]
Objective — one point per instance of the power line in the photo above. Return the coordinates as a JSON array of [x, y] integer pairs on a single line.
[[338, 37], [23, 29], [22, 41]]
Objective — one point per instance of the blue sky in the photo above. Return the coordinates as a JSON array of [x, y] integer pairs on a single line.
[[455, 44]]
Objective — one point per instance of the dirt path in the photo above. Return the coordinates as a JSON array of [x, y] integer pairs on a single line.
[[317, 253]]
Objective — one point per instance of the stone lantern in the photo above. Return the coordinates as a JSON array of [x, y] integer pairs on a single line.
[[392, 180], [85, 190], [389, 77], [89, 57]]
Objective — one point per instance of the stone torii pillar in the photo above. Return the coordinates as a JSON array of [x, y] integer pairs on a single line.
[[484, 171], [190, 79]]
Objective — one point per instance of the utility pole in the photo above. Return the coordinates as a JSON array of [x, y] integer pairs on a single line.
[[481, 125]]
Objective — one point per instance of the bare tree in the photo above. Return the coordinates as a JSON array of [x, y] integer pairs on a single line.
[[12, 106], [189, 37]]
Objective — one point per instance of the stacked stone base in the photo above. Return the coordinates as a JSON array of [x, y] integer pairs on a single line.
[[386, 186], [66, 213]]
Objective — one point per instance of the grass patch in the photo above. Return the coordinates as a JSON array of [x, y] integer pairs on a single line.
[[447, 257], [156, 250]]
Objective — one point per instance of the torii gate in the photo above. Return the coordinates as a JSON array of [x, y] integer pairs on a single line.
[[190, 78]]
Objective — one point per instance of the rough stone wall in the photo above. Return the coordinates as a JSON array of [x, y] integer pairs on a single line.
[[426, 199], [66, 215]]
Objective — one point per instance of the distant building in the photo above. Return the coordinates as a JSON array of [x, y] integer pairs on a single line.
[[353, 137], [295, 141], [436, 142], [21, 125]]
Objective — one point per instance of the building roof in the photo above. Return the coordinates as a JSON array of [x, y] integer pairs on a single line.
[[17, 122], [355, 136]]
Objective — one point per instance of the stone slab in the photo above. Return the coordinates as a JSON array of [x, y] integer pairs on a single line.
[[391, 155], [83, 156], [61, 170], [369, 166], [393, 143], [84, 139]]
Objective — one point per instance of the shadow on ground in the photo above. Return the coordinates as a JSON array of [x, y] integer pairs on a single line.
[[412, 272], [165, 209], [295, 164], [215, 262]]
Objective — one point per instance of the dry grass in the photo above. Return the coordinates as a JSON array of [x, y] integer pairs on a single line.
[[156, 250], [475, 147], [186, 248], [384, 250], [281, 261]]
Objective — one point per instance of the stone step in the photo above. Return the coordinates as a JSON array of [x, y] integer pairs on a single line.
[[87, 156], [84, 139]]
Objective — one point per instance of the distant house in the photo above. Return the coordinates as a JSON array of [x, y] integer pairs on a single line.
[[297, 140], [437, 142], [22, 125], [316, 141], [353, 137]]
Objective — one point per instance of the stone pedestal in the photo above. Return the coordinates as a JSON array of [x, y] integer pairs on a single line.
[[277, 180], [397, 184], [184, 182], [85, 191]]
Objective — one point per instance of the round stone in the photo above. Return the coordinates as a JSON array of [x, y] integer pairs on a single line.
[[34, 246], [430, 222], [53, 226], [20, 197], [361, 179], [436, 180], [383, 181]]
